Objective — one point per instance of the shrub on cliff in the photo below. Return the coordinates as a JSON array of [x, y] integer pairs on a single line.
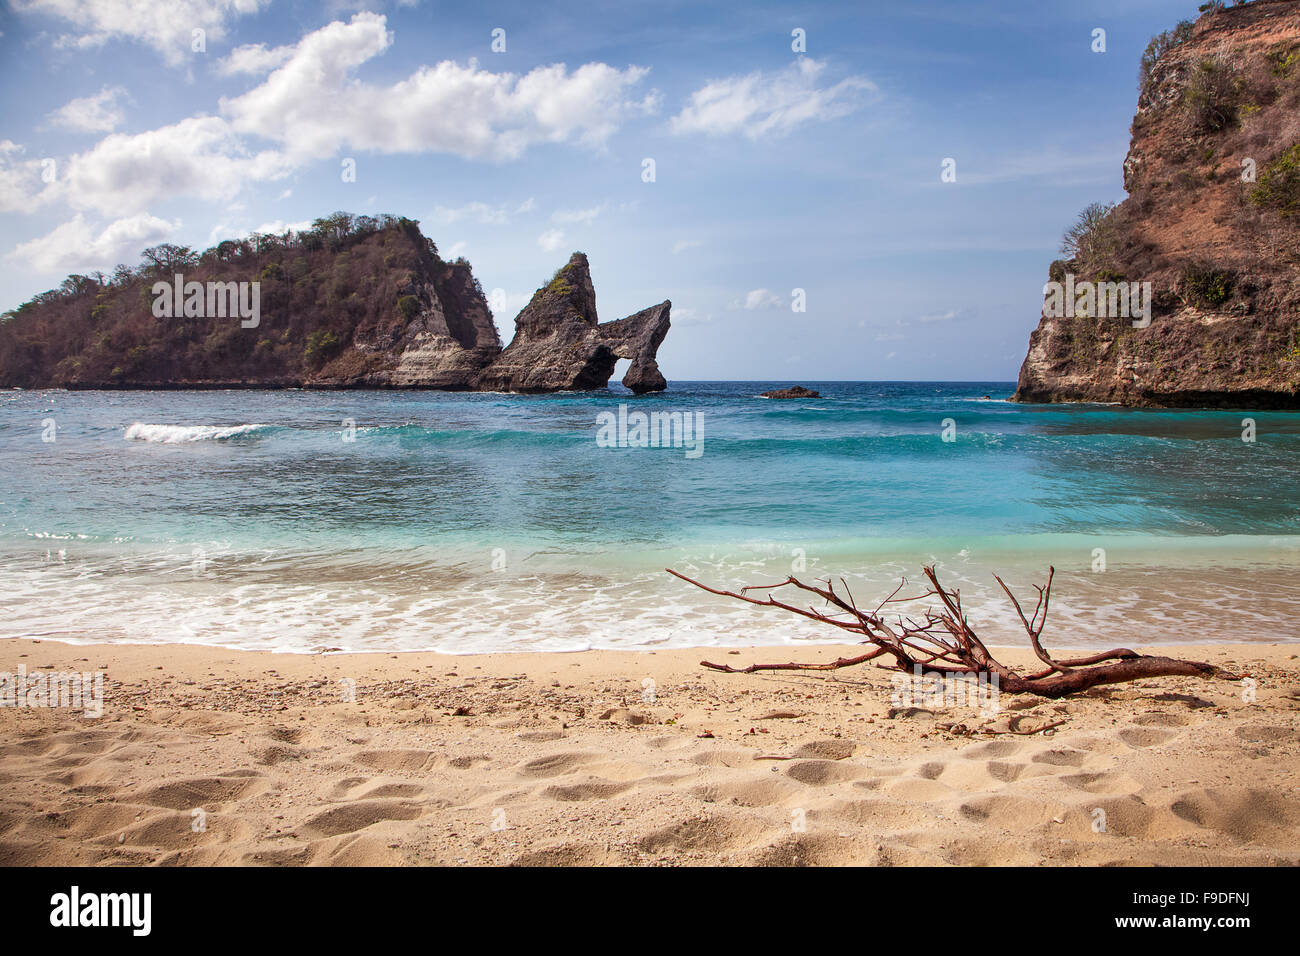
[[1159, 45], [321, 346], [1206, 286], [559, 283], [409, 306], [1213, 96], [1091, 242], [1279, 185]]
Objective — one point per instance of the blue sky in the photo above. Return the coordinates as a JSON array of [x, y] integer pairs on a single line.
[[774, 170]]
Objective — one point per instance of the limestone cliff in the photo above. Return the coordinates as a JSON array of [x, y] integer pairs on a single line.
[[1212, 221], [445, 344]]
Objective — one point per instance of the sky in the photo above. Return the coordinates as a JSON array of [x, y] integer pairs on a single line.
[[721, 155]]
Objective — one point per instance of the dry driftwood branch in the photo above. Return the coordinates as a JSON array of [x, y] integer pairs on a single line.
[[943, 643]]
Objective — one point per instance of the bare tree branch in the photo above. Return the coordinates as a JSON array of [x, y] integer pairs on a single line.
[[944, 642]]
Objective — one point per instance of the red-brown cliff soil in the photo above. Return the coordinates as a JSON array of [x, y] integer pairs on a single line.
[[1212, 221]]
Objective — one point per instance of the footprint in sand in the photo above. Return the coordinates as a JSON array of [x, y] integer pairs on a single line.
[[821, 773], [1104, 782], [830, 749], [771, 792], [201, 792], [367, 789], [350, 817], [1010, 812], [285, 735], [591, 790], [1256, 734], [883, 814], [1139, 737], [1161, 719], [1004, 771], [916, 788], [811, 849], [1061, 758], [704, 834], [555, 765], [1246, 815], [724, 758], [567, 854], [400, 761], [993, 748], [467, 761], [277, 754]]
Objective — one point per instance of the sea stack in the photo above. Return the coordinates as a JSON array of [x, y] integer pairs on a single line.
[[560, 345]]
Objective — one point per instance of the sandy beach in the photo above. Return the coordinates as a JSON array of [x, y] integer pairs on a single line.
[[210, 756]]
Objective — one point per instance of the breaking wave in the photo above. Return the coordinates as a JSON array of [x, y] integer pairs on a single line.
[[180, 434]]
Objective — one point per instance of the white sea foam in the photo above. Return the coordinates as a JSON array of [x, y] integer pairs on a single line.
[[179, 434], [302, 601]]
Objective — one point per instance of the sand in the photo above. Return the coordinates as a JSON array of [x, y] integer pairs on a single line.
[[210, 756]]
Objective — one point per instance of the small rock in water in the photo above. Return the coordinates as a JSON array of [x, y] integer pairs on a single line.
[[798, 391]]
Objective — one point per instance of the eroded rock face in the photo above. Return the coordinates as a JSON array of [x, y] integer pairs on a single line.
[[1217, 247], [638, 338], [447, 343], [797, 391], [560, 345]]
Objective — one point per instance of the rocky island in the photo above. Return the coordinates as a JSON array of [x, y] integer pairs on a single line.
[[798, 391], [353, 302], [1209, 236]]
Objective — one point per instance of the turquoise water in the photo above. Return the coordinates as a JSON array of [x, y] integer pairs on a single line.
[[478, 522]]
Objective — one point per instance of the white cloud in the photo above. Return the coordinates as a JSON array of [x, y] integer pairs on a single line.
[[277, 227], [690, 317], [254, 59], [98, 113], [551, 240], [21, 188], [475, 211], [199, 156], [760, 103], [74, 246], [457, 250], [585, 216], [941, 317], [314, 105], [165, 25], [503, 303], [681, 245], [757, 299]]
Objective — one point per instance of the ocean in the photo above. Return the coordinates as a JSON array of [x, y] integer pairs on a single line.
[[476, 522]]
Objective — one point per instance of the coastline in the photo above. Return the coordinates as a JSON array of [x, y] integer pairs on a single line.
[[566, 758]]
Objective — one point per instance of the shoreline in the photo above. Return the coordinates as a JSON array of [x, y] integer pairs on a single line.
[[576, 758]]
